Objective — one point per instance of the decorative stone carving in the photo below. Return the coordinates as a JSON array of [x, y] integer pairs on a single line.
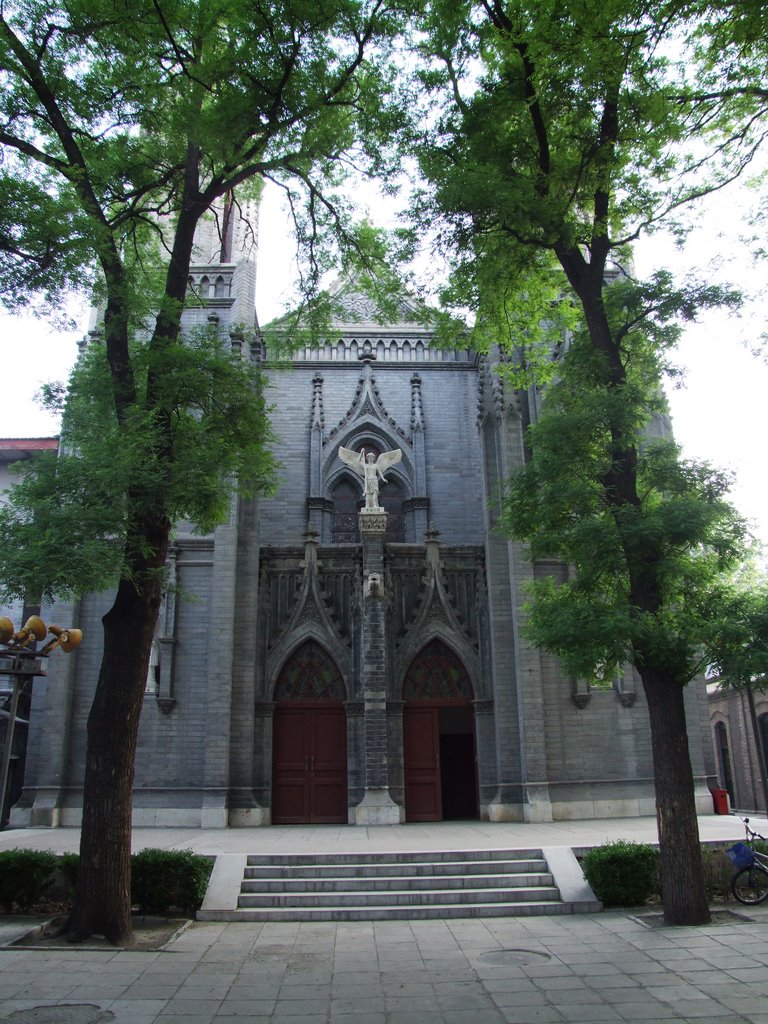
[[318, 416], [166, 704], [373, 585], [581, 699], [627, 698], [372, 521]]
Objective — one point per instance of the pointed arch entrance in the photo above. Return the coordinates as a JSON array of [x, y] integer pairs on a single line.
[[309, 741], [440, 768]]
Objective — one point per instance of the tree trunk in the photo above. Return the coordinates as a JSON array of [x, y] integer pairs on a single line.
[[682, 875], [102, 903]]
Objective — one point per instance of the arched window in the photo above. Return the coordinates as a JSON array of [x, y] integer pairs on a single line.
[[436, 674], [220, 289], [724, 759], [762, 725], [310, 674], [391, 499], [346, 498]]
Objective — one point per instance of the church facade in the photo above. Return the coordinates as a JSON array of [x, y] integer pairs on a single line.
[[331, 656]]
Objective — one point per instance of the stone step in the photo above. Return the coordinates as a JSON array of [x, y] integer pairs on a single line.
[[383, 882], [396, 857], [396, 886], [371, 869], [442, 911], [399, 897]]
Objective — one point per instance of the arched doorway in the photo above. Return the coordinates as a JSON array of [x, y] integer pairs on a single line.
[[309, 741], [440, 772]]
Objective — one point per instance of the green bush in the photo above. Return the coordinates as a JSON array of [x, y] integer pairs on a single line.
[[622, 874], [163, 880], [24, 877], [718, 873], [67, 868]]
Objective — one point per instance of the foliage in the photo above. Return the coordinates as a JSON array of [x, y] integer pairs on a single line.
[[554, 135], [124, 131], [24, 877], [718, 873], [241, 93], [622, 873], [64, 527], [739, 640], [163, 880], [67, 867], [556, 503]]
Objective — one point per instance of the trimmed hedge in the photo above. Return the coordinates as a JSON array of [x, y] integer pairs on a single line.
[[25, 875], [161, 880], [622, 874]]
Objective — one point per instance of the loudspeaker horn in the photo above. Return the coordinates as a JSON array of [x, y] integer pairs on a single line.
[[6, 629], [67, 639], [36, 627], [70, 639]]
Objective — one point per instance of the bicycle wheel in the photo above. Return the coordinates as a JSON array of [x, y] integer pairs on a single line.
[[750, 885]]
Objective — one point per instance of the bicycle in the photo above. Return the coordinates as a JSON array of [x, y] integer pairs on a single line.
[[750, 883]]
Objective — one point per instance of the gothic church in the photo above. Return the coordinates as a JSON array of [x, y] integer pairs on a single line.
[[318, 661]]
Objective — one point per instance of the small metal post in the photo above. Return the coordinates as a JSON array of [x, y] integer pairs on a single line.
[[18, 682]]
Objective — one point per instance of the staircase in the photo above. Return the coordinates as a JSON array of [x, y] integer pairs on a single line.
[[391, 886]]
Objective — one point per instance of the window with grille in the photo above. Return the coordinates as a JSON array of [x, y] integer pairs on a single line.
[[437, 674], [310, 674]]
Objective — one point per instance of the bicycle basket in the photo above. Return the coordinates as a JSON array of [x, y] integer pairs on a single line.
[[743, 856]]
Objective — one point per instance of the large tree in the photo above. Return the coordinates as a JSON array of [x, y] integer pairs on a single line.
[[123, 124], [559, 133]]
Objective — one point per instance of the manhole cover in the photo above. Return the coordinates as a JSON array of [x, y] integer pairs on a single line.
[[514, 956], [81, 1013]]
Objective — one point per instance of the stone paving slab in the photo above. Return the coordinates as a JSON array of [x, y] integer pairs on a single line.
[[586, 969]]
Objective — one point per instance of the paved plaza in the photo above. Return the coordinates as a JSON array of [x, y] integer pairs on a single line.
[[616, 967]]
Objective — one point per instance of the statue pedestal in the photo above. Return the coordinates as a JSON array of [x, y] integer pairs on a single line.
[[373, 521], [378, 808]]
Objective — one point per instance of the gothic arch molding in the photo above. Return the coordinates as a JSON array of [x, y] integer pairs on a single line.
[[309, 673], [442, 634], [368, 435], [437, 673], [287, 647]]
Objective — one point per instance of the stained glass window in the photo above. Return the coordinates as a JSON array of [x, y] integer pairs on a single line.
[[437, 674], [310, 674]]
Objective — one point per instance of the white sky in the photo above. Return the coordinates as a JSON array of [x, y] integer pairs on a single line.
[[718, 414]]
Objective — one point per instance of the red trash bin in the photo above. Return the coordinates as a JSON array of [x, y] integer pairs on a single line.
[[720, 800]]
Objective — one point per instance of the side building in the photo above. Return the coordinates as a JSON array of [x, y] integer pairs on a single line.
[[739, 724], [317, 662]]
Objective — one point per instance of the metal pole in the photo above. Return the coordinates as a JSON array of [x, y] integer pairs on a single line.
[[17, 685]]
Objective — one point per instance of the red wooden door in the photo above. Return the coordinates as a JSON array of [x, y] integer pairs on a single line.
[[421, 755], [328, 766], [309, 775]]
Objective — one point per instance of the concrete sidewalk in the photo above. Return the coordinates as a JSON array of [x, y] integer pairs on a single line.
[[611, 967], [462, 835]]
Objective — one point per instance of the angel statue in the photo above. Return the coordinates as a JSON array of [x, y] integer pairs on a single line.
[[371, 470]]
